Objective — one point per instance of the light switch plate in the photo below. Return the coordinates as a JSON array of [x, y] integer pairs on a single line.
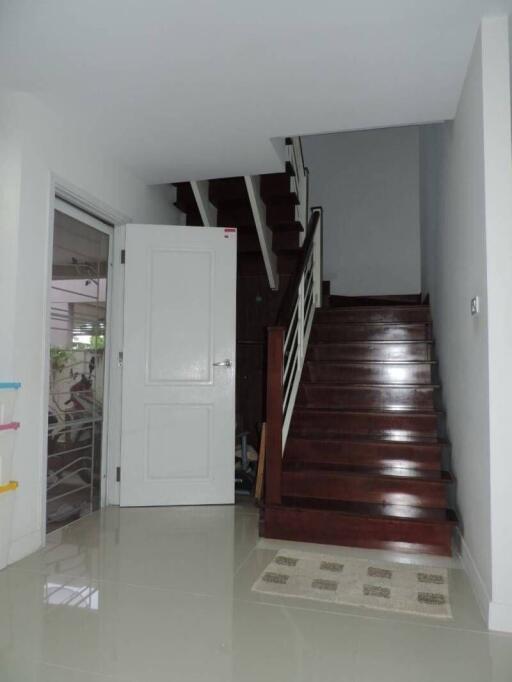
[[475, 305]]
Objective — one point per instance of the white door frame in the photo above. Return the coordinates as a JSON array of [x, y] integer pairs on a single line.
[[81, 206]]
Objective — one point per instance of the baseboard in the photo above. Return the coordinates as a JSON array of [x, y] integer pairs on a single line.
[[479, 588], [500, 617], [24, 546]]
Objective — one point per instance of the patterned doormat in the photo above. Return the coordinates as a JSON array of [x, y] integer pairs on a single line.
[[403, 588]]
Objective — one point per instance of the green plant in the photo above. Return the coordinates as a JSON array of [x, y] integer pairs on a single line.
[[59, 358], [96, 343]]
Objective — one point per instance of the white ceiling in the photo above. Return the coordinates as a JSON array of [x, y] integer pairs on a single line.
[[190, 89]]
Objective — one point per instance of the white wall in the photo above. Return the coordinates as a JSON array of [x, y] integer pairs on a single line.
[[498, 224], [466, 209], [39, 147], [368, 184]]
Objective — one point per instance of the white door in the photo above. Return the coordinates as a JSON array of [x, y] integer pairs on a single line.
[[178, 432]]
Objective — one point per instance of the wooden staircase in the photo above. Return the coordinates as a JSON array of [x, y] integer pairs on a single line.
[[363, 461], [229, 196]]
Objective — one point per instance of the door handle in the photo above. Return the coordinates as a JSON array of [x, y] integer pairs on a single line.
[[224, 363]]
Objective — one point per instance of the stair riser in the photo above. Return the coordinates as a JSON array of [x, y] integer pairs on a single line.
[[331, 528], [194, 219], [364, 454], [336, 301], [306, 422], [372, 489], [366, 397], [247, 242], [275, 186], [367, 374], [287, 263], [285, 240], [240, 217], [280, 214], [253, 266], [368, 332], [185, 199], [228, 192], [388, 315], [406, 352]]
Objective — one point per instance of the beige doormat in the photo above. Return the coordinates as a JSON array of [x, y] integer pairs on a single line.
[[403, 588]]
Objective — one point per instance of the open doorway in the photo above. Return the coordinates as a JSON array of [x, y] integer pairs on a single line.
[[79, 304]]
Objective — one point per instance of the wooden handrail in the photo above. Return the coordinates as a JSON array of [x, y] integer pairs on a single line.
[[286, 309]]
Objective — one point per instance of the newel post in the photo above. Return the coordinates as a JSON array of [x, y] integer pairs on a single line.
[[274, 448]]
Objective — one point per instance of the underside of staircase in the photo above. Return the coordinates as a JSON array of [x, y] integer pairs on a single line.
[[229, 196], [365, 462]]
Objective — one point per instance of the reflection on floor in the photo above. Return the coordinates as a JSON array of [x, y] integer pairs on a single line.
[[164, 594]]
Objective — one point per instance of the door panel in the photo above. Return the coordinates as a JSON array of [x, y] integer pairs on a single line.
[[181, 423], [185, 355], [178, 407]]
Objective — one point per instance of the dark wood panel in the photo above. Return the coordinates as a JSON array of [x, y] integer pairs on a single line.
[[257, 306], [361, 525], [381, 486], [228, 192], [318, 422], [236, 216], [368, 373], [280, 214], [247, 240], [274, 420], [287, 260], [377, 351], [371, 332], [186, 202], [275, 189], [421, 398], [337, 301], [250, 382], [388, 314], [285, 240], [352, 452]]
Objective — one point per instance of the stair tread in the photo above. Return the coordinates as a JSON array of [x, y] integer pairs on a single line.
[[287, 227], [333, 344], [391, 473], [365, 323], [289, 252], [373, 510], [359, 384], [341, 301], [383, 439], [366, 363], [368, 410], [370, 308]]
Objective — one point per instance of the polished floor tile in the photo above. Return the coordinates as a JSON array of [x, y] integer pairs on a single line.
[[155, 635], [157, 595], [192, 549], [20, 669], [397, 652]]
